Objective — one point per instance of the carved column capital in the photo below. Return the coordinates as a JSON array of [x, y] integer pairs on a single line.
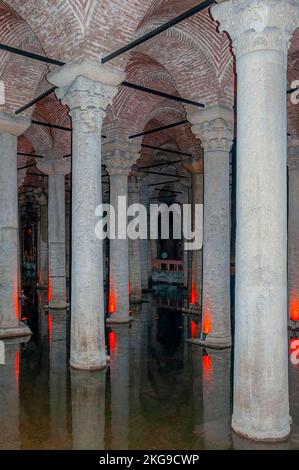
[[256, 25], [86, 87], [214, 127]]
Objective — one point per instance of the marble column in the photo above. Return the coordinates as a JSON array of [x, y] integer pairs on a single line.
[[214, 127], [56, 168], [261, 35], [87, 87], [293, 232], [134, 245], [42, 240], [119, 158], [10, 324], [195, 167]]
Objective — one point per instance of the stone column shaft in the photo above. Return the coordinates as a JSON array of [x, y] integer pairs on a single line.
[[214, 127], [87, 87], [42, 246], [119, 257], [10, 325], [134, 251], [261, 33], [56, 240]]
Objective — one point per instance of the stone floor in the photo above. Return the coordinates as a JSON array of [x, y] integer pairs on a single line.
[[158, 393]]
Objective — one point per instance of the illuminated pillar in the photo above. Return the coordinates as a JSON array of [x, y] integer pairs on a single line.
[[195, 167], [87, 87], [10, 128], [214, 127], [261, 37], [134, 246], [56, 169], [42, 240], [119, 158], [293, 228]]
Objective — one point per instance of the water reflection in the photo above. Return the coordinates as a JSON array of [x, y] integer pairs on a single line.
[[159, 392]]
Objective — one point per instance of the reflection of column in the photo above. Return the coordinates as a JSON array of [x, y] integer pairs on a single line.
[[261, 36], [214, 127], [42, 240], [9, 396], [88, 409], [134, 245], [10, 128], [86, 87], [216, 377], [58, 374], [119, 384], [119, 157], [293, 227], [56, 169]]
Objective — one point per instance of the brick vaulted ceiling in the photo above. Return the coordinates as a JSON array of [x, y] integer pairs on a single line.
[[191, 59]]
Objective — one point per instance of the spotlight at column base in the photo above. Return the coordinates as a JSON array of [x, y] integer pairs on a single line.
[[116, 319], [218, 343], [262, 436], [16, 331]]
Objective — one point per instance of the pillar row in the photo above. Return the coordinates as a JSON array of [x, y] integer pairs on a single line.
[[134, 245], [10, 325], [87, 87], [214, 127], [261, 36], [119, 158], [56, 169]]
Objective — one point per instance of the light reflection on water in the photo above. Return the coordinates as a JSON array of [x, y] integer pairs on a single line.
[[159, 392]]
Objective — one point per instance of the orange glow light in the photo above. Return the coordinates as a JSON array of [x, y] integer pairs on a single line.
[[194, 294], [130, 288], [207, 323], [294, 309], [16, 304], [112, 340], [50, 289], [112, 299], [50, 326], [194, 329], [294, 345], [17, 366]]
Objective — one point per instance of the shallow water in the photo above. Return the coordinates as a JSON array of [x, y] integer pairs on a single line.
[[159, 392]]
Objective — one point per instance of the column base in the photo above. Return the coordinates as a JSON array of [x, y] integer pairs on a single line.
[[57, 307], [89, 367], [261, 436], [17, 331], [210, 343], [116, 319]]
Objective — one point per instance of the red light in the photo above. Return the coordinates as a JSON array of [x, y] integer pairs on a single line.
[[194, 294], [50, 326], [207, 323], [194, 329], [294, 344], [50, 289], [112, 340], [16, 304], [112, 298], [294, 309], [17, 366], [130, 288]]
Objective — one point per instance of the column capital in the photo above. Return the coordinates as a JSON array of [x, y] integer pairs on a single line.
[[120, 155], [86, 87], [54, 164], [12, 124], [214, 127], [256, 25]]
